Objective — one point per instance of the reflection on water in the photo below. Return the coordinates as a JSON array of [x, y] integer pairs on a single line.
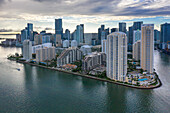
[[35, 89]]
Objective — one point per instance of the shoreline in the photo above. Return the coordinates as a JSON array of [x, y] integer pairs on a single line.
[[95, 78]]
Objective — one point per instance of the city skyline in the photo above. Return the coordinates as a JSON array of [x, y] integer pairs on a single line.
[[94, 14]]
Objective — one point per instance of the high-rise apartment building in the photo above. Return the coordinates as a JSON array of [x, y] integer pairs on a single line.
[[104, 46], [165, 35], [137, 50], [117, 56], [147, 47], [68, 56], [93, 60], [27, 49], [45, 54]]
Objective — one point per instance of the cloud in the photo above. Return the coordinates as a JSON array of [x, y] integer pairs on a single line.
[[47, 28], [43, 12], [6, 30]]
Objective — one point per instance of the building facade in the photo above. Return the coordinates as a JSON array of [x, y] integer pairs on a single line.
[[27, 49], [147, 47], [86, 49], [136, 35], [69, 56], [94, 60], [122, 27], [45, 54], [73, 43], [137, 50], [104, 46], [59, 27], [117, 56], [66, 43], [165, 35]]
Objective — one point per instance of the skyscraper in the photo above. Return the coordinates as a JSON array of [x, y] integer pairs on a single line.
[[23, 35], [99, 35], [156, 37], [102, 34], [104, 46], [137, 50], [79, 34], [137, 25], [147, 47], [117, 56], [165, 35], [130, 38], [67, 34], [122, 27], [58, 27], [30, 31], [27, 49], [136, 35], [136, 44], [82, 25], [114, 30]]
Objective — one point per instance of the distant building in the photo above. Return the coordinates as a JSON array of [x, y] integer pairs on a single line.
[[137, 50], [122, 27], [69, 56], [147, 47], [157, 37], [165, 35], [18, 40], [104, 46], [137, 25], [45, 54], [65, 43], [136, 35], [73, 43], [46, 39], [41, 46], [30, 31], [93, 60], [117, 56], [130, 39], [67, 34], [88, 37], [102, 33], [27, 49], [86, 49], [24, 35], [82, 25], [79, 34], [37, 39], [58, 40], [58, 27], [74, 35], [114, 30]]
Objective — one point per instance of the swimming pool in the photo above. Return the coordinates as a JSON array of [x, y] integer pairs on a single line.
[[143, 79]]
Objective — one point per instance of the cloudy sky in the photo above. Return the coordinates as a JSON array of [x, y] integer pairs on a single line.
[[15, 14]]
